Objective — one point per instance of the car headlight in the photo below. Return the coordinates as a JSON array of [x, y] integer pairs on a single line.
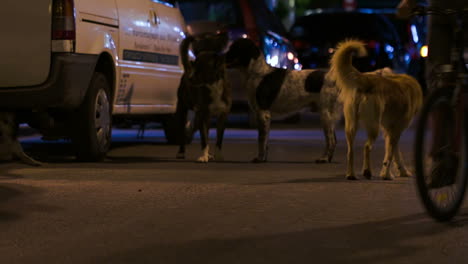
[[424, 51]]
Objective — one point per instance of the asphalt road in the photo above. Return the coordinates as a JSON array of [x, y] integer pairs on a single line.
[[143, 206]]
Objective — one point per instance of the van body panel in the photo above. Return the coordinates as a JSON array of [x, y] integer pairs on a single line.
[[26, 43]]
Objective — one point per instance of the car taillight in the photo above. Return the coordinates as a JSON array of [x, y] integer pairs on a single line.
[[372, 44], [249, 22], [300, 44], [63, 20]]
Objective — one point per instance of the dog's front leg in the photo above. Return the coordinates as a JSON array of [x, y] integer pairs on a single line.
[[220, 127], [264, 121], [204, 125]]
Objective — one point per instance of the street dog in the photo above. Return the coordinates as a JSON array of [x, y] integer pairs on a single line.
[[204, 88], [280, 91], [384, 100], [10, 147]]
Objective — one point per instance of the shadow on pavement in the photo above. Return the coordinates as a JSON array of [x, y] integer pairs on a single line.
[[25, 197], [332, 179], [6, 194], [388, 241]]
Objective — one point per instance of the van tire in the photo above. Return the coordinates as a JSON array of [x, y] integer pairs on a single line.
[[92, 121]]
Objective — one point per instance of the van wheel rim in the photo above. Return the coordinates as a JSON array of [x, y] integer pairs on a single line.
[[102, 118]]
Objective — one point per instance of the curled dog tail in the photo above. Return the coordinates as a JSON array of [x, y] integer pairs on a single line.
[[347, 76], [184, 49]]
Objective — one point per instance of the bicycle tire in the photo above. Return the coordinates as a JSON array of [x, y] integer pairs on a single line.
[[432, 209]]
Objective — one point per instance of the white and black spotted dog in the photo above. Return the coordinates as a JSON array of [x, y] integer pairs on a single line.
[[10, 147], [281, 91], [204, 88]]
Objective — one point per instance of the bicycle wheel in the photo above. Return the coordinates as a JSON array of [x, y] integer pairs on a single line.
[[441, 174]]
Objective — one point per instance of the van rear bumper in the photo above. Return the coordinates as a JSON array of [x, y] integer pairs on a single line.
[[65, 87]]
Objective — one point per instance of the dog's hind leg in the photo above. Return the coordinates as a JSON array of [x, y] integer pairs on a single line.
[[390, 144], [181, 120], [220, 127], [372, 133], [328, 125], [23, 157], [331, 110], [370, 117], [351, 121], [400, 164], [264, 121], [204, 125]]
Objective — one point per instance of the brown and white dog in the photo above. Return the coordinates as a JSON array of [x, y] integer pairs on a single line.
[[204, 88], [10, 147], [282, 91], [384, 100]]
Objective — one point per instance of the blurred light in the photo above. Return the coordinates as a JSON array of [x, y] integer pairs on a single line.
[[313, 11], [296, 60], [331, 50], [407, 58], [389, 48], [191, 55], [244, 35], [424, 51], [164, 3], [140, 23], [272, 60], [298, 66], [373, 45], [290, 56], [414, 33]]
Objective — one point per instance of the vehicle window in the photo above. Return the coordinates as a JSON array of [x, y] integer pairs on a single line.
[[222, 11], [170, 3], [265, 19]]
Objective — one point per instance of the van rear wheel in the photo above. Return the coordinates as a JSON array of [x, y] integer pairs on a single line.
[[92, 128]]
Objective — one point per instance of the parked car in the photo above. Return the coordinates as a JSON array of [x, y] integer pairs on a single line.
[[316, 35], [69, 67], [242, 19]]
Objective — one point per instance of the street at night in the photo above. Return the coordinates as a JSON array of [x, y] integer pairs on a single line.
[[143, 206], [96, 95]]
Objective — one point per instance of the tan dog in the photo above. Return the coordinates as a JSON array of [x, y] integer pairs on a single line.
[[10, 147], [386, 100]]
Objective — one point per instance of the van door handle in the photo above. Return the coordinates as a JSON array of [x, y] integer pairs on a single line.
[[153, 18]]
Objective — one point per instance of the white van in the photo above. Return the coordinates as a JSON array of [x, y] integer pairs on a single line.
[[70, 67]]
